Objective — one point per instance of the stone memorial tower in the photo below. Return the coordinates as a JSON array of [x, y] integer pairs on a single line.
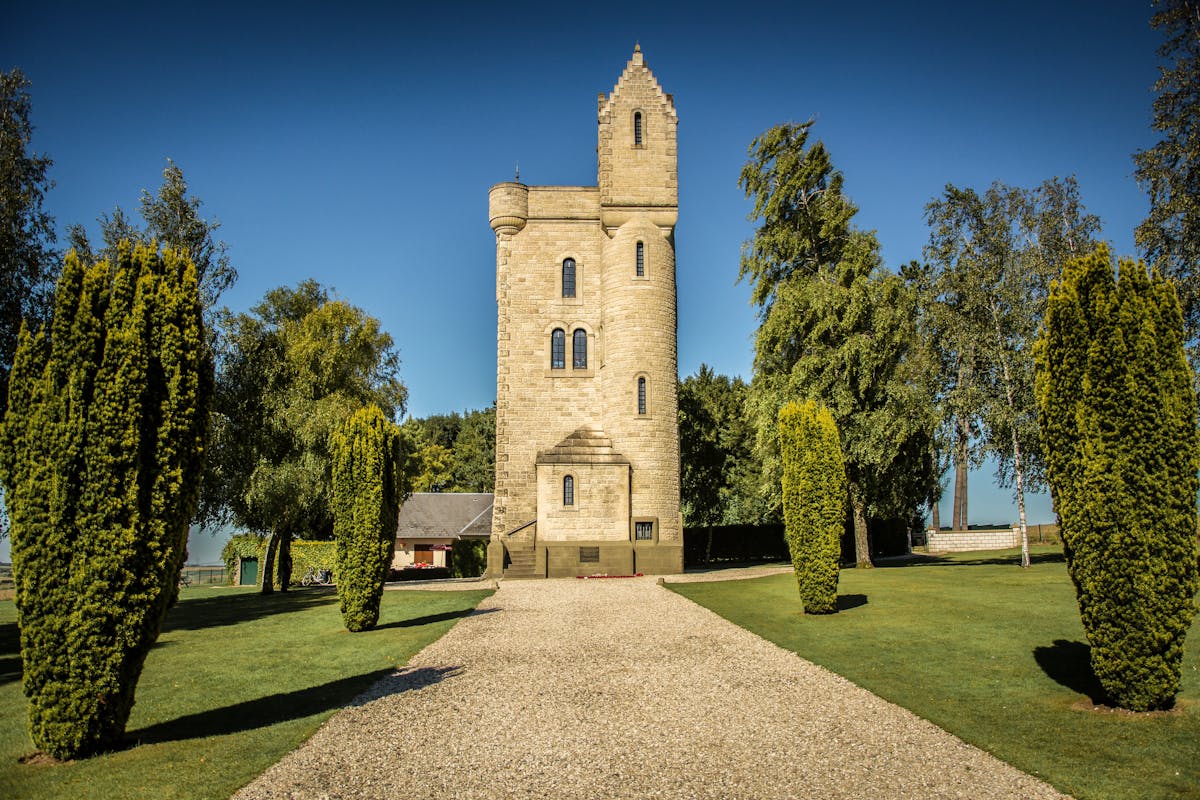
[[587, 437]]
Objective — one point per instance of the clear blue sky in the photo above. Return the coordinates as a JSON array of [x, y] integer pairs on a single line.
[[356, 144]]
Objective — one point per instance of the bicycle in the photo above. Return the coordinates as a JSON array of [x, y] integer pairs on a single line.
[[317, 577]]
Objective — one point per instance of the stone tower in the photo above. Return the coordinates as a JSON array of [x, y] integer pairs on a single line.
[[587, 438]]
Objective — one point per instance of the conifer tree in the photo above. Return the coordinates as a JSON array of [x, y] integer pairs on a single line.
[[814, 500], [1118, 418], [101, 453], [368, 480]]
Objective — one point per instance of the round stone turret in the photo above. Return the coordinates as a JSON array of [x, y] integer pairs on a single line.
[[508, 207]]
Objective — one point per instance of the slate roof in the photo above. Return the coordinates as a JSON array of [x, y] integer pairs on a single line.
[[453, 515]]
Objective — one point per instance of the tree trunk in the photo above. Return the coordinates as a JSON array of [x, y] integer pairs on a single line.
[[285, 560], [268, 568], [936, 523], [862, 544], [708, 547], [1018, 472], [961, 457]]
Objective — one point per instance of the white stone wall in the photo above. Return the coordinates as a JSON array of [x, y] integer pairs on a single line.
[[962, 541]]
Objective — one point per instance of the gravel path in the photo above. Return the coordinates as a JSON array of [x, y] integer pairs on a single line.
[[622, 689]]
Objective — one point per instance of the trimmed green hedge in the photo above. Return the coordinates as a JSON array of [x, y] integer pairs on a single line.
[[468, 558]]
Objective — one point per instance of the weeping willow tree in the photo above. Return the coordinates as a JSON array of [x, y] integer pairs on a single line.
[[100, 456]]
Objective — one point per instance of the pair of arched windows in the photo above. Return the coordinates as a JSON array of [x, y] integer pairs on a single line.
[[558, 349]]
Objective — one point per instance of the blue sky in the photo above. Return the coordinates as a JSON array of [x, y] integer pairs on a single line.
[[356, 144]]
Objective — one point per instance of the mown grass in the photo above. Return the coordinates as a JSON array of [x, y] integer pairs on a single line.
[[235, 681], [992, 653]]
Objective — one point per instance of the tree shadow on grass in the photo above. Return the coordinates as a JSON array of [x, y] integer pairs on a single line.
[[284, 706], [198, 613], [10, 653], [845, 602], [920, 560], [431, 618], [1069, 664]]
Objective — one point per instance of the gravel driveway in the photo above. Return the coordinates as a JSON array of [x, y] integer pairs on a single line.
[[622, 689]]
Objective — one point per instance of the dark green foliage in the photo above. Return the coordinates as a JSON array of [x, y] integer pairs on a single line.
[[1119, 420], [27, 254], [468, 558], [454, 452], [1170, 170], [101, 452], [720, 472], [814, 500], [368, 484]]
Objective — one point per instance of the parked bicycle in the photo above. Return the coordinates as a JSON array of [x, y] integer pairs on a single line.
[[317, 577]]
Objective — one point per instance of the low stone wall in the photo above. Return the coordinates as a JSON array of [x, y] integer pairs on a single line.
[[980, 539]]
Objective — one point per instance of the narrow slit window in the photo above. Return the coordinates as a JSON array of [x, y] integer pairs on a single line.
[[580, 347], [568, 277], [558, 349], [637, 129], [641, 260], [641, 397], [568, 491]]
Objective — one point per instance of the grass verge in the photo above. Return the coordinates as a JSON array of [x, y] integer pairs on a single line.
[[235, 681], [990, 652]]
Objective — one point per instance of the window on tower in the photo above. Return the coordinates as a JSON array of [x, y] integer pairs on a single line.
[[637, 129], [641, 397], [558, 349], [568, 277], [568, 491], [580, 347], [641, 260]]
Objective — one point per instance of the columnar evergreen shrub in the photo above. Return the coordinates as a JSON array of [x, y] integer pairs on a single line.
[[100, 455], [1118, 419], [814, 500], [367, 486], [468, 558]]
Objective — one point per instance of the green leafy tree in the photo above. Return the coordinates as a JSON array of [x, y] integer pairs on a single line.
[[1170, 170], [1118, 415], [102, 449], [173, 219], [475, 452], [993, 257], [835, 327], [368, 488], [720, 473], [814, 501], [843, 337], [291, 372], [27, 255]]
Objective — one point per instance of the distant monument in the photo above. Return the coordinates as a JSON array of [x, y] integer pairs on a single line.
[[587, 437]]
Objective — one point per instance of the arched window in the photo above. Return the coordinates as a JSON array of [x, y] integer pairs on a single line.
[[568, 491], [558, 349], [641, 260], [568, 277], [637, 129], [579, 344], [641, 397]]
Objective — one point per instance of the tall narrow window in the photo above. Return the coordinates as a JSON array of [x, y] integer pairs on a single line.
[[641, 397], [580, 347], [637, 129], [558, 349], [641, 260], [568, 277], [568, 491]]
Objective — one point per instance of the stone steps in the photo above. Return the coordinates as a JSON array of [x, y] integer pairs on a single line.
[[522, 565]]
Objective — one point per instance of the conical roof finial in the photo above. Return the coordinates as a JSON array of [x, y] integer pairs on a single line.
[[637, 47]]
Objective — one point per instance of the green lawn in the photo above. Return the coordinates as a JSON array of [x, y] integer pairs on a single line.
[[236, 681], [993, 653]]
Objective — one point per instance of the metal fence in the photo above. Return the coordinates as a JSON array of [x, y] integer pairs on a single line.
[[203, 576]]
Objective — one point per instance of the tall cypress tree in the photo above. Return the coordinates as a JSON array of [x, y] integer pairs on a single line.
[[368, 481], [101, 452], [1118, 416], [814, 500]]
